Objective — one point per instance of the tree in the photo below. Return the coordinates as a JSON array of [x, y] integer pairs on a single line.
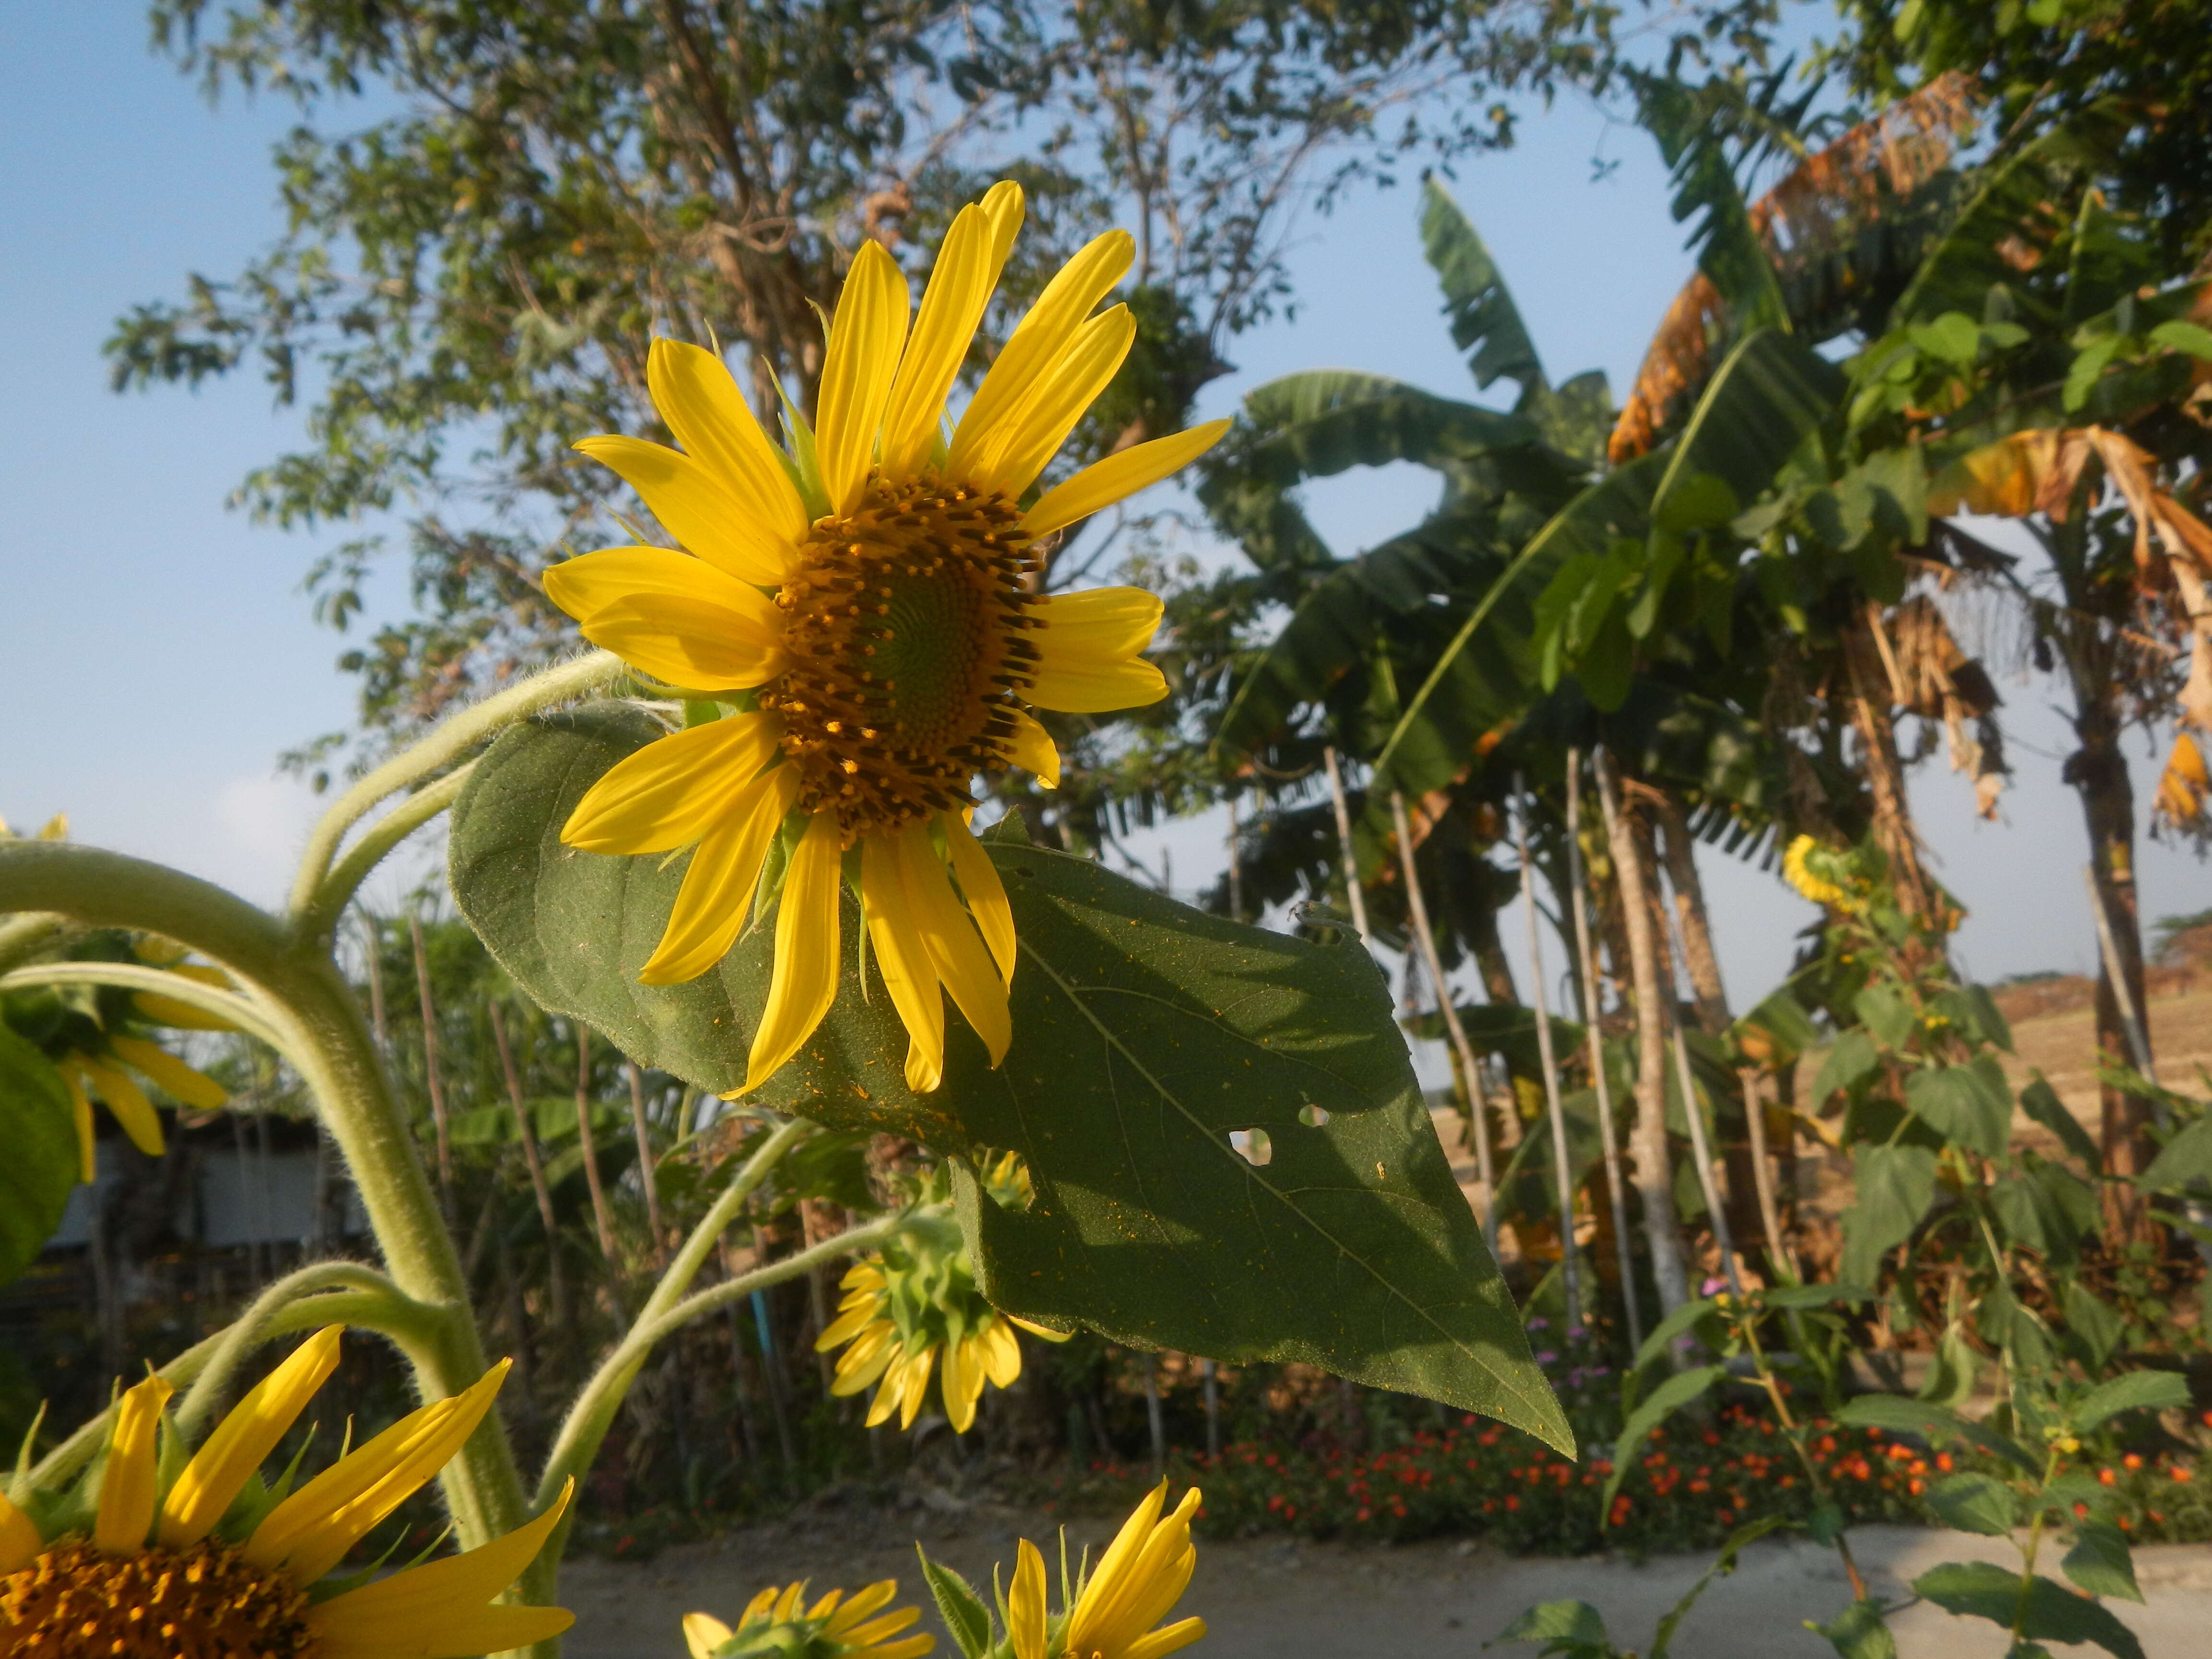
[[470, 283]]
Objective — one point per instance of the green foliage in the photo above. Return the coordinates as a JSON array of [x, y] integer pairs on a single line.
[[41, 1165], [2035, 1607], [1144, 1034], [962, 1610]]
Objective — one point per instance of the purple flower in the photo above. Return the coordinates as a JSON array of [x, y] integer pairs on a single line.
[[1539, 1323], [1546, 1357]]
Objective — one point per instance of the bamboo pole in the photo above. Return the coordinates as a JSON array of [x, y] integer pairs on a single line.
[[1608, 1135], [1426, 940], [430, 1069], [1654, 1164], [1695, 1115], [644, 1162], [1770, 1210], [1561, 1165], [528, 1132], [1236, 868], [1355, 900], [601, 1215]]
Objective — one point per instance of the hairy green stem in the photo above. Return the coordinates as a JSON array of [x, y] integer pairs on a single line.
[[247, 1015], [23, 937], [414, 1326], [684, 1267], [1749, 1325], [318, 919], [447, 743], [322, 1033]]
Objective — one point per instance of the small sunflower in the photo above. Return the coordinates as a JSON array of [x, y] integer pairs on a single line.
[[1811, 882], [777, 1624], [96, 1037], [214, 1565], [867, 601], [913, 1308], [1118, 1603]]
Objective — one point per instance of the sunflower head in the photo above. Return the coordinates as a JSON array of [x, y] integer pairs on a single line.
[[912, 1309], [1823, 875], [101, 1039], [158, 1556], [1111, 1608], [779, 1623], [865, 602]]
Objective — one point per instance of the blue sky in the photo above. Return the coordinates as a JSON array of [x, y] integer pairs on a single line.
[[159, 655]]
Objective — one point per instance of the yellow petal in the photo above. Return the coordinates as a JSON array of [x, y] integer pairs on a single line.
[[310, 1532], [827, 1605], [904, 960], [1033, 435], [868, 1358], [703, 1633], [689, 642], [878, 1630], [1120, 1556], [690, 499], [1037, 343], [1118, 477], [1089, 645], [440, 1610], [676, 788], [985, 893], [1001, 1353], [235, 1450], [913, 1386], [1025, 1603], [788, 1608], [718, 888], [1033, 750], [862, 356], [128, 1102], [844, 1329], [694, 394], [192, 1087], [806, 949], [959, 288], [950, 938], [587, 586], [759, 1608], [1044, 1331], [889, 1393], [126, 1484], [913, 1648], [961, 1384], [20, 1542], [1166, 1639], [863, 1603]]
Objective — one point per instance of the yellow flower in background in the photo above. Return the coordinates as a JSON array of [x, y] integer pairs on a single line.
[[779, 1622], [1119, 1603], [868, 595], [212, 1565], [1814, 886], [912, 1309]]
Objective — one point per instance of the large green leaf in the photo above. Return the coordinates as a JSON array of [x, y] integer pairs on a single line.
[[42, 1161], [2041, 1609], [1480, 309], [1969, 1105], [1894, 1186], [1144, 1034]]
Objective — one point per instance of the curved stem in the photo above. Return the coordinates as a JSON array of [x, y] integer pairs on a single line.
[[449, 742], [687, 1261], [319, 918], [322, 1033], [360, 1308], [246, 1016], [413, 1326], [22, 938]]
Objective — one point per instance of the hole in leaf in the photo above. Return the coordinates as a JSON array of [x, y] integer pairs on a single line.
[[1312, 1116], [1252, 1145]]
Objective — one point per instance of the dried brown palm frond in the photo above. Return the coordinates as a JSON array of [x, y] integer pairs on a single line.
[[1822, 205]]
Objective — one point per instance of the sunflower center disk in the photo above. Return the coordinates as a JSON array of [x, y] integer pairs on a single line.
[[905, 639], [203, 1603]]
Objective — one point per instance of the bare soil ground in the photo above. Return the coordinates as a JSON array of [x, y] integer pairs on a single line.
[[1271, 1597]]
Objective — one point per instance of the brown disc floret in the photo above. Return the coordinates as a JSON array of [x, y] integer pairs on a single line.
[[201, 1602], [905, 643]]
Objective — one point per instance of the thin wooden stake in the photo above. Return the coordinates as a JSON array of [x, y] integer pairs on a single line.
[[1723, 1235], [600, 1213], [1460, 1046], [430, 1068], [1609, 1136], [1561, 1165], [1355, 899], [528, 1132], [645, 1163], [1769, 1211], [1235, 867]]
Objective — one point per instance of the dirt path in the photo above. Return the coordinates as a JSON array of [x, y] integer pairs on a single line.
[[1284, 1598]]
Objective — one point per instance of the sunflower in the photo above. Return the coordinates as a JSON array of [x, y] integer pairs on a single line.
[[1809, 882], [213, 1565], [779, 1623], [865, 601], [1118, 1602], [95, 1037], [913, 1308]]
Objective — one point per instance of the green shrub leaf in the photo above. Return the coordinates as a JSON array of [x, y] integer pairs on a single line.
[[2101, 1561], [42, 1161], [1982, 1589], [1975, 1503], [1670, 1397]]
